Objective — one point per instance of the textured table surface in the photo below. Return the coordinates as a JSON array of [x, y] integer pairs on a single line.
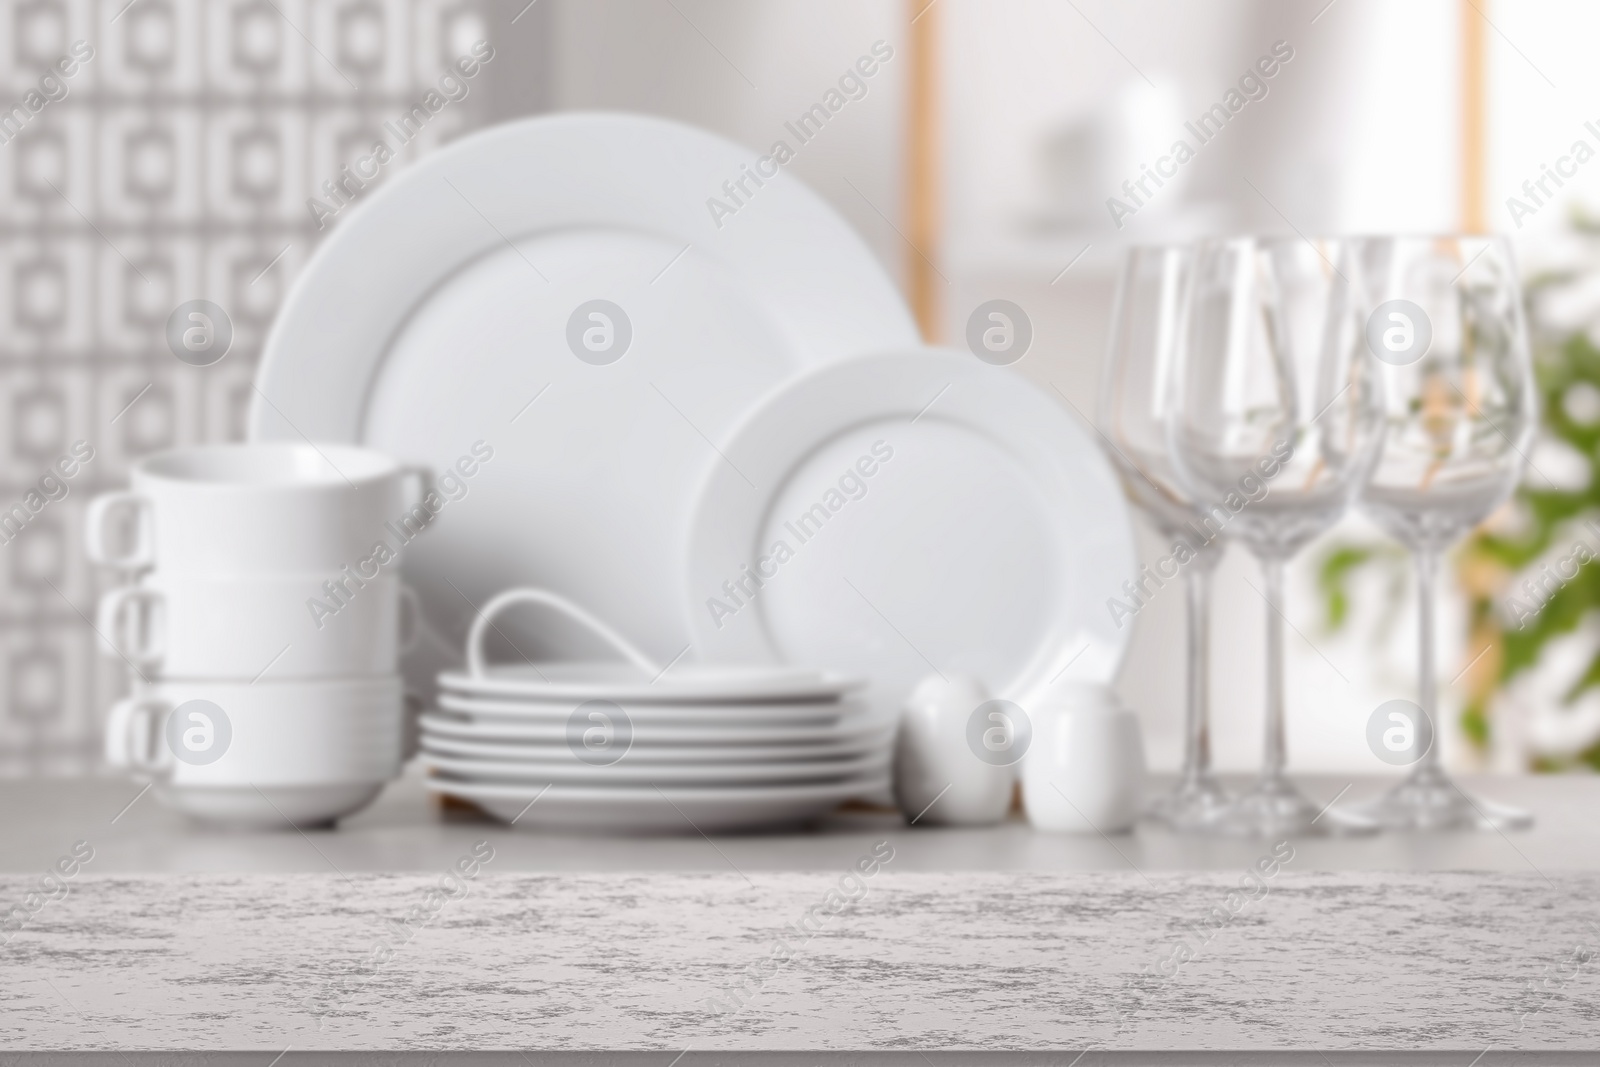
[[173, 938], [1010, 961]]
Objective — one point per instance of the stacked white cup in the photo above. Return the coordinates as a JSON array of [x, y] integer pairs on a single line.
[[262, 626]]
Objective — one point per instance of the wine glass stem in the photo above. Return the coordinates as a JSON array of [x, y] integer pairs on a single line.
[[1197, 732], [1427, 680], [1275, 755]]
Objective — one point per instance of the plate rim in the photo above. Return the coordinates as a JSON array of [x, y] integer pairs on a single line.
[[621, 795], [651, 754], [665, 716], [719, 492], [859, 731], [828, 686], [368, 221], [797, 771]]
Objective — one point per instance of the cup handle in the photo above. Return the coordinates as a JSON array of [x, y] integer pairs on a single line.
[[131, 734], [410, 618], [481, 624], [96, 523], [149, 643], [423, 479]]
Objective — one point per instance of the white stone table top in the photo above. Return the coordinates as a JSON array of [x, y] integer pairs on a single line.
[[998, 941]]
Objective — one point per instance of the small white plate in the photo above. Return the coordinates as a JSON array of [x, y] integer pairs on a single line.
[[649, 809], [685, 684], [443, 745], [908, 513], [626, 772], [666, 736], [653, 714]]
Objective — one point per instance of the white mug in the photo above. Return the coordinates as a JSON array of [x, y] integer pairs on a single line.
[[275, 627], [1084, 770], [242, 508], [301, 733]]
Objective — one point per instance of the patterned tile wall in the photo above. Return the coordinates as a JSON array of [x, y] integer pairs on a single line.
[[152, 153]]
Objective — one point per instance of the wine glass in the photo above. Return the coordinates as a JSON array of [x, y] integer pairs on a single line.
[[1274, 417], [1145, 325], [1445, 318]]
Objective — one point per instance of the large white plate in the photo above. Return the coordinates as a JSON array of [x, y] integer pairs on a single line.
[[705, 715], [436, 312], [445, 745], [672, 735], [688, 684], [626, 772], [912, 513], [648, 809]]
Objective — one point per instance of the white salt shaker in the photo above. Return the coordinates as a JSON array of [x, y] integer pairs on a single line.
[[1084, 770], [934, 761]]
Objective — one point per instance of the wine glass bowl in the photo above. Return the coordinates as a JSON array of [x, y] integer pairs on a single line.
[[1460, 417], [1143, 349], [1276, 405]]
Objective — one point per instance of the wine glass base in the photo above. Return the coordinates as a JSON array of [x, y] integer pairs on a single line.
[[1193, 804], [1429, 800], [1275, 808]]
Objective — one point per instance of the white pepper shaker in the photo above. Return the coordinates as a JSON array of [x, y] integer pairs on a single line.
[[1084, 770]]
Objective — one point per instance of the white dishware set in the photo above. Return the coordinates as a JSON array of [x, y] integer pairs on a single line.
[[265, 668], [723, 438]]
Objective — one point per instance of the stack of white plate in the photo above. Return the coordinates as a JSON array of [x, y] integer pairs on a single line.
[[605, 747]]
